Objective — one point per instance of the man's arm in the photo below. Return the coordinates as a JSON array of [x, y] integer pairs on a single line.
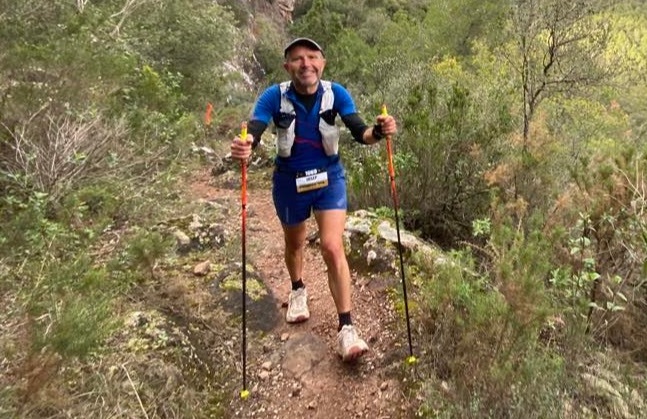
[[256, 128], [361, 132]]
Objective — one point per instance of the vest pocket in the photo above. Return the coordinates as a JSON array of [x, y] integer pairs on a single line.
[[284, 120], [329, 136], [284, 134]]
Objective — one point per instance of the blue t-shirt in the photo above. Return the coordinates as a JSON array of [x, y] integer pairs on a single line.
[[307, 151]]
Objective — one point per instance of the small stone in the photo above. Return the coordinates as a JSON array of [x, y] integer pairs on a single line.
[[444, 386], [312, 405], [264, 375], [267, 365], [202, 268], [384, 386], [285, 337], [182, 239]]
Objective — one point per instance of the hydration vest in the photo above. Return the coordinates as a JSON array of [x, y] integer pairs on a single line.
[[287, 120]]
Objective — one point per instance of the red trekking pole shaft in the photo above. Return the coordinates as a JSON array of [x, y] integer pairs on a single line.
[[243, 199], [394, 193]]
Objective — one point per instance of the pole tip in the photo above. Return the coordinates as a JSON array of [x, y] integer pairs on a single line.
[[384, 112], [412, 360], [244, 394]]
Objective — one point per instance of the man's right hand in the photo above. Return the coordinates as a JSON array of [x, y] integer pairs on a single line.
[[242, 149]]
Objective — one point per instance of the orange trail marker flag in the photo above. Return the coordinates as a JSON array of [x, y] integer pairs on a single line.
[[207, 114]]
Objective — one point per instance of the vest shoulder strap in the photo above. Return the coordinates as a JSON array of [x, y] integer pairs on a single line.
[[327, 100]]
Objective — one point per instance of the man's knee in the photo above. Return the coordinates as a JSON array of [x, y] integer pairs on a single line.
[[295, 238], [293, 246], [332, 250]]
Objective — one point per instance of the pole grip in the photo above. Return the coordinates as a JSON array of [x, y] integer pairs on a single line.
[[389, 149], [243, 166], [243, 131]]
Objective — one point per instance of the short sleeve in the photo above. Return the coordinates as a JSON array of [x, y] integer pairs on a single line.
[[344, 103], [267, 105]]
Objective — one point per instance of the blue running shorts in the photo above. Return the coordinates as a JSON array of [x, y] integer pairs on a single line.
[[294, 208]]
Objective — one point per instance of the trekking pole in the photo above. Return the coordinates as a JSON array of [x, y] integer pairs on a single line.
[[411, 359], [244, 393]]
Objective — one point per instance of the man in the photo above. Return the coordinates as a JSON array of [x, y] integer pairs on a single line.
[[309, 176]]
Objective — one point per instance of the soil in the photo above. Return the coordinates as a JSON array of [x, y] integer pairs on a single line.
[[293, 371]]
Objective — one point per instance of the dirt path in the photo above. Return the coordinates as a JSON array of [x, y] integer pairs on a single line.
[[293, 371]]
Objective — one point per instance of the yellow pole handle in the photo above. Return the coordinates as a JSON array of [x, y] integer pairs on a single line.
[[243, 131]]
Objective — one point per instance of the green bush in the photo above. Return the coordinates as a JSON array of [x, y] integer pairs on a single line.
[[453, 131], [483, 319]]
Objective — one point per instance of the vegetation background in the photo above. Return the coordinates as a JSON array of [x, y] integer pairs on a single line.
[[521, 152]]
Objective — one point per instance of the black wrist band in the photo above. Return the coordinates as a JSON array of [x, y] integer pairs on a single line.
[[377, 132]]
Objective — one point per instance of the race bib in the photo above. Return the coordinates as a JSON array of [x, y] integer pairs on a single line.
[[311, 180]]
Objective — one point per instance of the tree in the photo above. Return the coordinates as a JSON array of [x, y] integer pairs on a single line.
[[558, 47]]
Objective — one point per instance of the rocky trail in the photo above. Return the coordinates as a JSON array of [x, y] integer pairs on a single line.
[[293, 370]]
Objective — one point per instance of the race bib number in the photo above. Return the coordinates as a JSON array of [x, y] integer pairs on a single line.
[[311, 180]]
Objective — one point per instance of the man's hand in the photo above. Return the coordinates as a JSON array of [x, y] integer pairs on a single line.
[[241, 149], [384, 126], [387, 125]]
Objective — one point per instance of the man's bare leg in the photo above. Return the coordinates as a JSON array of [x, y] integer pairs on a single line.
[[295, 238], [331, 225], [331, 229]]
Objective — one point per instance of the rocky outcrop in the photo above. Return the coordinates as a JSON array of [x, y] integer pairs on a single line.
[[372, 243]]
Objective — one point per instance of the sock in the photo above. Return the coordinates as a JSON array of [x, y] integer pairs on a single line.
[[344, 320], [297, 284]]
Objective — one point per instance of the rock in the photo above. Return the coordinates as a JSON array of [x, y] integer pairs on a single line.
[[388, 233], [358, 225], [312, 405], [302, 353], [296, 390], [183, 241], [196, 223], [267, 365], [444, 386], [370, 257], [264, 375], [384, 386], [202, 268], [285, 337], [137, 319]]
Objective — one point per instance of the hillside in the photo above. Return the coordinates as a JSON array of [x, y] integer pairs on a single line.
[[520, 165]]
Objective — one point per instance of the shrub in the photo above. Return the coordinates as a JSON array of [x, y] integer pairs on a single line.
[[483, 318]]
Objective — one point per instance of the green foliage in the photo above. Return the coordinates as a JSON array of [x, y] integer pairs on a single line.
[[603, 250], [484, 324], [190, 38], [325, 20], [29, 231], [267, 51], [77, 326], [454, 127], [100, 102], [146, 249]]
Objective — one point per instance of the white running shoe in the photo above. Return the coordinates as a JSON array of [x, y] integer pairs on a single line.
[[349, 344], [297, 306]]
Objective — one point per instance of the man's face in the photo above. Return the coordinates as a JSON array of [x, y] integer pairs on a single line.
[[305, 66]]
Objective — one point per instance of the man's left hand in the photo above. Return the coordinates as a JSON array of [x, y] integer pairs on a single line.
[[387, 124]]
